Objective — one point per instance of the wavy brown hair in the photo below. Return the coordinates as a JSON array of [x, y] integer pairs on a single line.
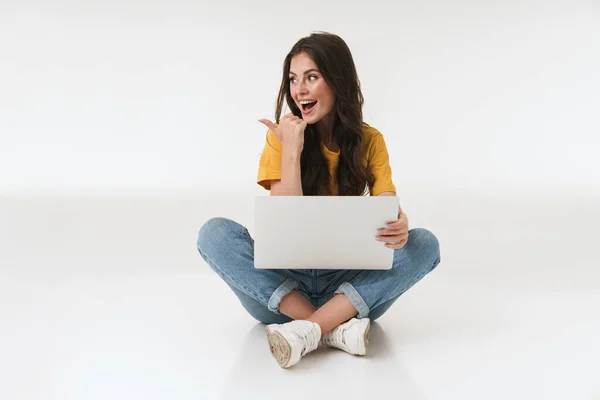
[[333, 59]]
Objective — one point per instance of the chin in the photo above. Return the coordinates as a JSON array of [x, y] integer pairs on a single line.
[[311, 120]]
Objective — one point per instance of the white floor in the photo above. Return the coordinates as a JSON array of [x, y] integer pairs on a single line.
[[107, 298]]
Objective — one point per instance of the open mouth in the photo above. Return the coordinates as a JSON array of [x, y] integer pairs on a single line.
[[308, 105]]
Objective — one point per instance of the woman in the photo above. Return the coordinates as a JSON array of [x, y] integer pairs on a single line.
[[322, 148]]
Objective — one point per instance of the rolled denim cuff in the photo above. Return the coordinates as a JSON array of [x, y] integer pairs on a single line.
[[283, 290], [355, 298]]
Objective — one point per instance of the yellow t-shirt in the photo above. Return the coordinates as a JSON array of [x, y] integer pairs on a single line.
[[375, 157]]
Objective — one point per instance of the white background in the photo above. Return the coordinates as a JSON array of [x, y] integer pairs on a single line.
[[164, 97], [125, 125]]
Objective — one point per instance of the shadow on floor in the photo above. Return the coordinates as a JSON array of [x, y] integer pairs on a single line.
[[326, 371]]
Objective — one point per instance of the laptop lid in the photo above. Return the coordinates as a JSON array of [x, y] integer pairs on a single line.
[[322, 232]]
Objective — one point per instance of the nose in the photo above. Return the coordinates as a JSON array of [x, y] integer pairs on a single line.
[[302, 88]]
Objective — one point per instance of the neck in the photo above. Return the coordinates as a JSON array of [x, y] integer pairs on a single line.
[[325, 127]]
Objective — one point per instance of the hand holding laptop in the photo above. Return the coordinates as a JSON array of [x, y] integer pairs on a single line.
[[395, 233]]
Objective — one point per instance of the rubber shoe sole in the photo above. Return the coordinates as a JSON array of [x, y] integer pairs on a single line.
[[280, 348], [366, 337]]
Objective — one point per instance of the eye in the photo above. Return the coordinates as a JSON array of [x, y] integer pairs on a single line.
[[312, 76], [292, 79]]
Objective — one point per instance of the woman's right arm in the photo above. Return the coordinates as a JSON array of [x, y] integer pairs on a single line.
[[290, 183], [290, 133]]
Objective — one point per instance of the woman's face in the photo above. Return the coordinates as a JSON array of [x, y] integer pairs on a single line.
[[309, 90]]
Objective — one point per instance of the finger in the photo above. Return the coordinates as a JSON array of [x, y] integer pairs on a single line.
[[389, 234], [396, 246], [402, 220], [393, 230], [392, 238], [402, 232], [392, 226], [268, 124]]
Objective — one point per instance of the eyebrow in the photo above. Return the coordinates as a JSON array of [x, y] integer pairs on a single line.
[[306, 72]]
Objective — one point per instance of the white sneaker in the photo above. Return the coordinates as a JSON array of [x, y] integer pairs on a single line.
[[351, 336], [290, 341]]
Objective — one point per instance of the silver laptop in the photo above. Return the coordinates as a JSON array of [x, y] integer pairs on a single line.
[[322, 232]]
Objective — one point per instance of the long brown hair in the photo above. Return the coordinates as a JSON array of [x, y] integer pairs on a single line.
[[333, 59]]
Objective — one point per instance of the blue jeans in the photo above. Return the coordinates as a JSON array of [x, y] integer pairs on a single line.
[[229, 250]]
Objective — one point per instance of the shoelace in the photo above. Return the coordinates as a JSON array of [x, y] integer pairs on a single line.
[[335, 338], [311, 339]]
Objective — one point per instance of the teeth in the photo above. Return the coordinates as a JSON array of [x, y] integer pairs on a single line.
[[307, 101]]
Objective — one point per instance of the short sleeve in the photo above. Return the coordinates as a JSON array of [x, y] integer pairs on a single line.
[[269, 167], [379, 165]]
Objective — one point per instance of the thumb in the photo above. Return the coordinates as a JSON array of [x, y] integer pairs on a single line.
[[268, 124]]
